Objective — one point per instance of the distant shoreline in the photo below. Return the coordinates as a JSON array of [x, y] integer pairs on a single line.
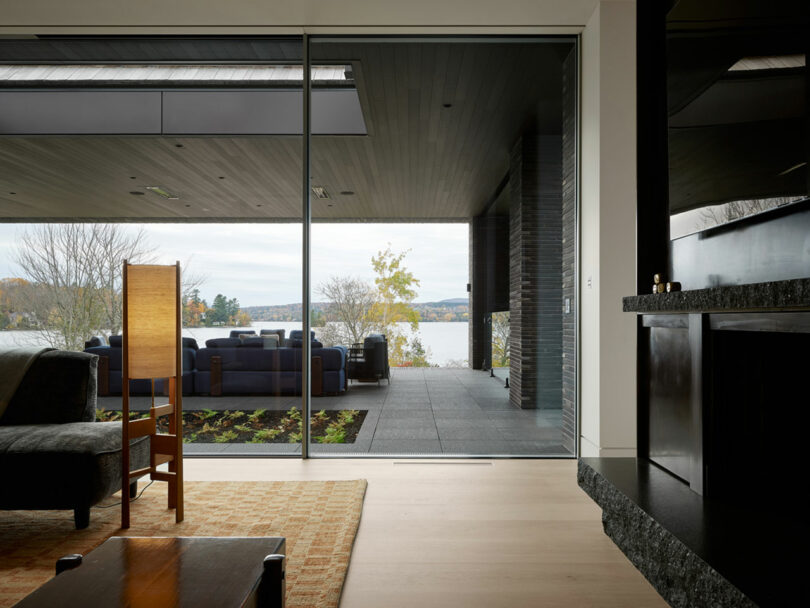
[[453, 310], [421, 321]]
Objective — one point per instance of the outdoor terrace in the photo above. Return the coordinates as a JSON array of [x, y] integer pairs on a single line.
[[422, 412]]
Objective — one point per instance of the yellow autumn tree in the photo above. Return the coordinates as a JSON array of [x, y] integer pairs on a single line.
[[396, 290], [356, 309]]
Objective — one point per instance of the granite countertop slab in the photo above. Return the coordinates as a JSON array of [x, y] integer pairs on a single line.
[[793, 295]]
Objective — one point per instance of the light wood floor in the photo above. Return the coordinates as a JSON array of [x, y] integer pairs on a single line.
[[509, 533]]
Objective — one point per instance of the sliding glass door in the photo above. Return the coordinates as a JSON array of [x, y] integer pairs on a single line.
[[443, 245], [378, 234], [159, 149]]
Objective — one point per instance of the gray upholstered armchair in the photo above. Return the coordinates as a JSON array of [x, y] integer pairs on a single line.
[[52, 453]]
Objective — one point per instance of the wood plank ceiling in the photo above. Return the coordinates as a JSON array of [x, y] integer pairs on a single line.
[[421, 161]]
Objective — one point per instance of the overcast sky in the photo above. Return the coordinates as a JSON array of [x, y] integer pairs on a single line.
[[261, 263]]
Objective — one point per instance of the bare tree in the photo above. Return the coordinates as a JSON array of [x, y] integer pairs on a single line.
[[356, 308], [74, 272], [62, 293], [348, 313], [110, 246], [190, 280], [734, 210]]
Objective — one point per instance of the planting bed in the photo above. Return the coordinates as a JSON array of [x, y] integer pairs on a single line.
[[257, 426]]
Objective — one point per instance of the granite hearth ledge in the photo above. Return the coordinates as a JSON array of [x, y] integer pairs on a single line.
[[696, 551], [753, 297]]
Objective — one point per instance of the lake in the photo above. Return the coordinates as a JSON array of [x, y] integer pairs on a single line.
[[447, 342]]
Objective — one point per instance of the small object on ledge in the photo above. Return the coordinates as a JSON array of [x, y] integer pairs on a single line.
[[658, 278], [673, 286], [655, 288], [659, 288], [68, 562]]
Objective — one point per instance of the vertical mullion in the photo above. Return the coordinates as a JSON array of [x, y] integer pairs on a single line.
[[306, 343]]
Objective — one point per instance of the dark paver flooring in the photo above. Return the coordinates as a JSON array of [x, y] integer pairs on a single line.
[[423, 411]]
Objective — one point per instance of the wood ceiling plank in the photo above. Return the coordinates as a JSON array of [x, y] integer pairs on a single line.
[[420, 161]]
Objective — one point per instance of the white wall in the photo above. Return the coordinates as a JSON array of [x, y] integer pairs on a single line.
[[607, 364], [194, 15], [608, 198]]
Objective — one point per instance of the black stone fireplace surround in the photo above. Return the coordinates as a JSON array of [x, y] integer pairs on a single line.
[[713, 509]]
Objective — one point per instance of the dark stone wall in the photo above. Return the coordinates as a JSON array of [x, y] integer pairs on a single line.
[[535, 268], [489, 272], [569, 253]]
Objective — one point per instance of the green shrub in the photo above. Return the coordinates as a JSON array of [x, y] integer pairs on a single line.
[[347, 416], [265, 435], [256, 415], [226, 437], [335, 433]]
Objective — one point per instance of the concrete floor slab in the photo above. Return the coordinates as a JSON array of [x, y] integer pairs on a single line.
[[405, 433], [390, 447]]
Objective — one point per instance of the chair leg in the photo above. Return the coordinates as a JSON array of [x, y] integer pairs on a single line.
[[81, 517], [133, 489]]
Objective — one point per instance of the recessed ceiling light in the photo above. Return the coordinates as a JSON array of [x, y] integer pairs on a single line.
[[136, 193], [320, 192], [347, 192], [160, 191]]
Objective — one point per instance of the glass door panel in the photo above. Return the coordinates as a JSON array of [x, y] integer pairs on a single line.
[[429, 214], [191, 150]]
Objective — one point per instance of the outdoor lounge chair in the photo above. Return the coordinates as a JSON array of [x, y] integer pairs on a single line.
[[369, 361]]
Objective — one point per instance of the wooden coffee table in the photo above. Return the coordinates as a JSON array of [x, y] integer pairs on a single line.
[[154, 572]]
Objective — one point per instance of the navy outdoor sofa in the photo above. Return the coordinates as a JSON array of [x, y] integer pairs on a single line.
[[246, 365], [234, 366], [111, 361]]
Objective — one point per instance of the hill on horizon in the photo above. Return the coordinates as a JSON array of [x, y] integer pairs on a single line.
[[450, 301], [451, 309]]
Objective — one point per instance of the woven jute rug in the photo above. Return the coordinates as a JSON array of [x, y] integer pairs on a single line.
[[319, 519]]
